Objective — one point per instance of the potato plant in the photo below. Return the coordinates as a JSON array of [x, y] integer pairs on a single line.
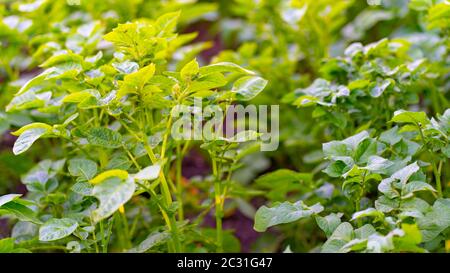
[[114, 130], [97, 98]]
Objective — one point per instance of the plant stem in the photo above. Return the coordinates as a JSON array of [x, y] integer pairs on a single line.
[[437, 176], [218, 206], [94, 237], [178, 167], [102, 232], [174, 246], [436, 170]]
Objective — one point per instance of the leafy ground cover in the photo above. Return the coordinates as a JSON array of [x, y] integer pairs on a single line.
[[90, 97]]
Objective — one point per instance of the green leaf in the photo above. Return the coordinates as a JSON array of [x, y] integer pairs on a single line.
[[224, 67], [84, 168], [246, 88], [81, 96], [340, 167], [243, 136], [414, 207], [409, 241], [126, 67], [32, 126], [335, 148], [148, 173], [369, 212], [353, 141], [282, 181], [415, 186], [206, 82], [435, 221], [391, 136], [364, 150], [20, 211], [100, 178], [8, 198], [104, 137], [402, 116], [31, 83], [384, 204], [420, 5], [27, 138], [329, 223], [285, 212], [135, 82], [438, 15], [7, 246], [365, 231], [112, 193], [83, 188], [55, 229], [387, 188], [379, 88], [166, 23], [283, 176], [154, 239], [405, 173], [189, 70], [347, 146], [341, 236], [377, 164]]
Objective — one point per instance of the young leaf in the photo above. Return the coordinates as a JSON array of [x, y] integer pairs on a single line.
[[84, 168], [166, 23], [224, 67], [8, 198], [154, 239], [55, 229], [329, 223], [7, 246], [134, 82], [32, 126], [104, 137], [283, 213], [377, 164], [435, 221], [189, 70], [108, 174], [341, 236], [206, 82], [27, 138], [112, 193], [402, 116], [148, 173], [248, 87], [20, 211], [405, 173]]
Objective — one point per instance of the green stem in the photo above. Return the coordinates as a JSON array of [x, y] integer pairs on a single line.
[[437, 175], [178, 167], [218, 206], [436, 170], [94, 237], [174, 246], [102, 232]]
